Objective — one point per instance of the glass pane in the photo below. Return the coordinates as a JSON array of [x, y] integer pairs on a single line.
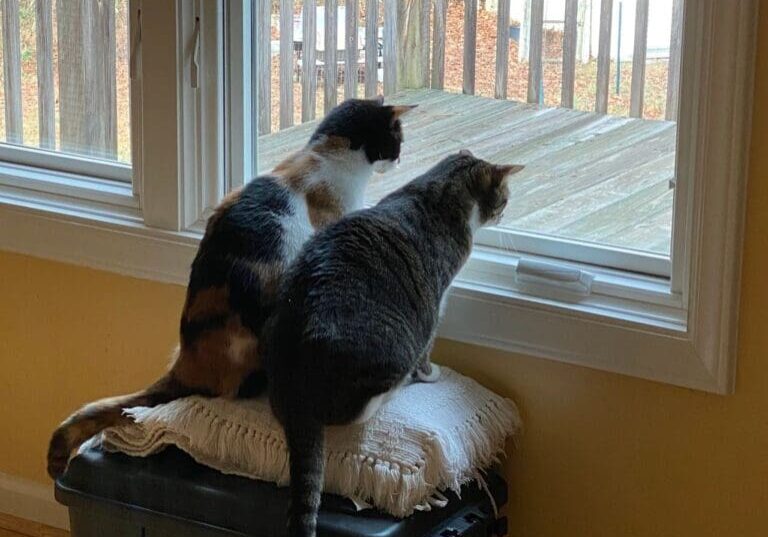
[[593, 119], [65, 83]]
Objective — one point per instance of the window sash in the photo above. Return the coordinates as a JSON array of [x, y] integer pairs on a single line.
[[66, 162], [680, 331], [240, 38]]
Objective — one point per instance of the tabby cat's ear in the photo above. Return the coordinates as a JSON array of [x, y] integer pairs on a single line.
[[399, 110], [501, 172]]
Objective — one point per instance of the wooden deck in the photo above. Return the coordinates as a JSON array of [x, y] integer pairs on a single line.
[[590, 177]]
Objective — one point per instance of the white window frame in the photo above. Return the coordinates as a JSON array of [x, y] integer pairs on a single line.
[[680, 330]]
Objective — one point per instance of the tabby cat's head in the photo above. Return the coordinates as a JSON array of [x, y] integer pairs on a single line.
[[369, 126], [484, 183]]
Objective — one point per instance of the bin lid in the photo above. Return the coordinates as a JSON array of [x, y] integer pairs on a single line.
[[172, 484]]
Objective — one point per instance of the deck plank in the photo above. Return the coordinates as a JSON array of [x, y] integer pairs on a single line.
[[577, 182]]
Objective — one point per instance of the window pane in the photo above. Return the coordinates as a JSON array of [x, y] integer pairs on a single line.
[[593, 118], [65, 82]]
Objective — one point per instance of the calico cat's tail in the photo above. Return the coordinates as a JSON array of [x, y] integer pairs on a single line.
[[305, 444], [97, 416]]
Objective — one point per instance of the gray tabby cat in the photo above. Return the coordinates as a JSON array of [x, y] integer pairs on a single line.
[[358, 309]]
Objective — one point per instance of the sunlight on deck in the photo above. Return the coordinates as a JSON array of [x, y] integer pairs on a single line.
[[589, 177]]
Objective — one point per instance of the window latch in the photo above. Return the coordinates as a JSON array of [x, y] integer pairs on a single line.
[[195, 69], [554, 276]]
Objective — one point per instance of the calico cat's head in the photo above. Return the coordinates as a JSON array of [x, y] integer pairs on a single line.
[[370, 127], [484, 183]]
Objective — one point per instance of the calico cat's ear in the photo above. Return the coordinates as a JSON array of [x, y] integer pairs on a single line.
[[400, 109], [501, 172]]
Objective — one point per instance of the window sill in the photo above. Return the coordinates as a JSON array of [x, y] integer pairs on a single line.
[[648, 340]]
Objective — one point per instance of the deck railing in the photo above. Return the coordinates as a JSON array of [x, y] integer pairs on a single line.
[[400, 44], [87, 89], [409, 47]]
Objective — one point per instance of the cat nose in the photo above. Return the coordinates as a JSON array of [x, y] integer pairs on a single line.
[[466, 153]]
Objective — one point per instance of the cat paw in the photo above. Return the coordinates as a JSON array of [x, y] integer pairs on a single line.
[[428, 376]]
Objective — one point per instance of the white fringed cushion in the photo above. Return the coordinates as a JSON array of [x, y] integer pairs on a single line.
[[427, 438]]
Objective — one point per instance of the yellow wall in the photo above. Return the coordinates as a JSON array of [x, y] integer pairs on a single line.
[[604, 455]]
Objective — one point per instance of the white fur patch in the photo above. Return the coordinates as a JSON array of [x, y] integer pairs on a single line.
[[433, 376], [297, 228], [347, 173], [240, 347]]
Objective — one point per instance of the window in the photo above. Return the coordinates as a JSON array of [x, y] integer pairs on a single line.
[[573, 90], [66, 87], [621, 249]]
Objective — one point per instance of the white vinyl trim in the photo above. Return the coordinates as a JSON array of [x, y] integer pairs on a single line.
[[237, 94], [65, 162], [572, 250]]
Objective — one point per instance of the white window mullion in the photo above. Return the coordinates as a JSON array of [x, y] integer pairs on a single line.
[[164, 66], [183, 94], [134, 31], [238, 93], [209, 106]]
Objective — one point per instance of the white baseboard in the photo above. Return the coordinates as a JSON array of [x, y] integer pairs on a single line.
[[32, 501]]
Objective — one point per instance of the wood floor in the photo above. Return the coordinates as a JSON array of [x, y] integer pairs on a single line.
[[11, 526], [589, 177]]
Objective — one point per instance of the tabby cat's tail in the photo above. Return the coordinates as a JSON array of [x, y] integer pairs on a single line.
[[95, 417], [305, 444]]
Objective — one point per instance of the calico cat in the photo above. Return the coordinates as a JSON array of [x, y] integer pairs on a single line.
[[249, 241], [359, 307]]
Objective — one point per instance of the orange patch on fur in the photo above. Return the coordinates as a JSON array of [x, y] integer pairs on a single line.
[[225, 205], [208, 364], [323, 206], [207, 302], [294, 170]]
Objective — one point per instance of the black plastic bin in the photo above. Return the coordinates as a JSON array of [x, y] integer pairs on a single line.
[[170, 495]]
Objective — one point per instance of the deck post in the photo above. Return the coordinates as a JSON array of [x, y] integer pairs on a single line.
[[502, 50], [470, 46], [675, 55], [309, 61], [639, 58], [263, 75], [413, 60], [438, 44], [45, 89], [604, 57], [87, 84], [535, 62], [14, 131], [391, 53], [351, 51], [331, 46], [371, 48], [286, 64], [569, 53]]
